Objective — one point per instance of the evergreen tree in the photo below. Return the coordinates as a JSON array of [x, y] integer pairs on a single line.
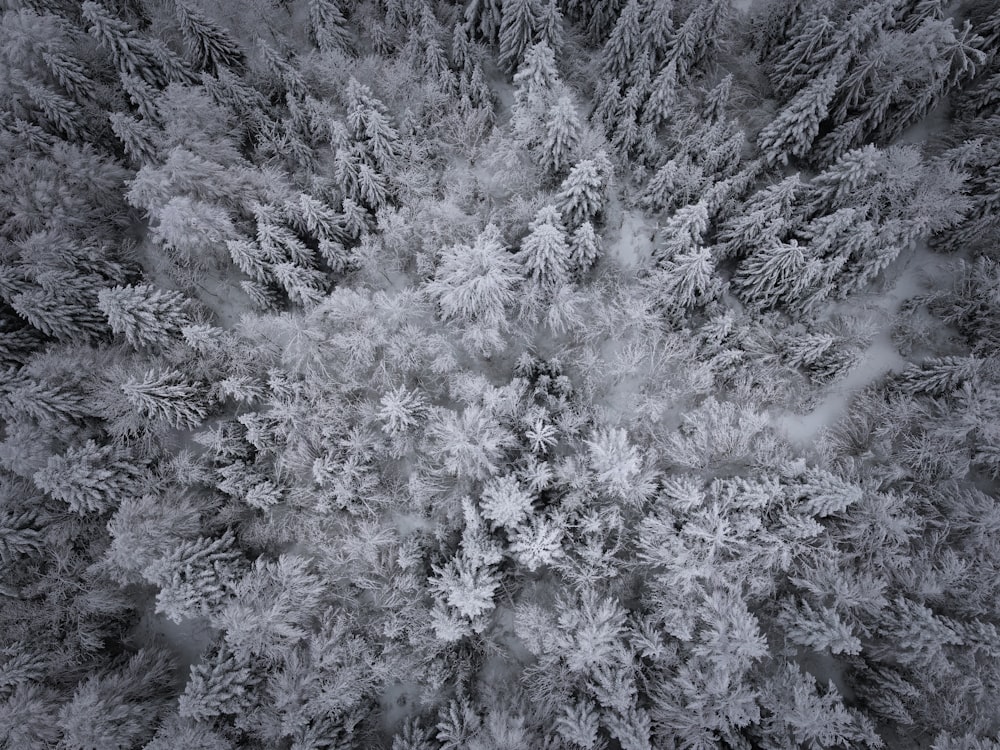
[[550, 25], [130, 53], [658, 107], [773, 274], [91, 478], [544, 253], [505, 502], [562, 136], [518, 29], [766, 217], [144, 315], [327, 26], [804, 56], [196, 577], [581, 195], [657, 29], [623, 47], [221, 684], [166, 396], [585, 247], [476, 283], [795, 128], [208, 44], [118, 710]]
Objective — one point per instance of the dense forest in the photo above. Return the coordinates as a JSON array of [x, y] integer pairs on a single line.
[[499, 374]]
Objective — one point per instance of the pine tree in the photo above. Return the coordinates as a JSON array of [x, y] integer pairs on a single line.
[[581, 194], [130, 54], [327, 26], [91, 478], [166, 396], [804, 56], [505, 502], [144, 315], [687, 279], [658, 107], [683, 232], [766, 217], [585, 248], [118, 710], [476, 283], [657, 29], [562, 136], [624, 46], [196, 577], [470, 444], [518, 28], [221, 684], [678, 182], [544, 253], [210, 46], [550, 25], [795, 128], [773, 274]]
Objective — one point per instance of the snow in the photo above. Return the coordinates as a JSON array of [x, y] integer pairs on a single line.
[[881, 356], [743, 5], [634, 243]]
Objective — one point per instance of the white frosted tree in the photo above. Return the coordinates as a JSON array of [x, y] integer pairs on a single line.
[[208, 44], [166, 397], [561, 137], [505, 501], [581, 195], [796, 126], [518, 29], [585, 247], [623, 46], [144, 315], [476, 283], [545, 252]]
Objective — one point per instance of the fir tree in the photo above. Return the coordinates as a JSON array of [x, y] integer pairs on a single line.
[[581, 195], [91, 478], [221, 684], [550, 25], [792, 132], [208, 44], [166, 396], [327, 26], [130, 54], [505, 502], [773, 274], [624, 45], [518, 29], [144, 315], [562, 136], [804, 56], [476, 283], [196, 577], [585, 247], [544, 253]]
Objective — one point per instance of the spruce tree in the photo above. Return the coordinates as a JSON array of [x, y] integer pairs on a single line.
[[545, 252], [210, 46], [144, 315], [795, 128], [624, 45], [561, 139], [518, 30], [91, 478], [166, 396], [581, 195]]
